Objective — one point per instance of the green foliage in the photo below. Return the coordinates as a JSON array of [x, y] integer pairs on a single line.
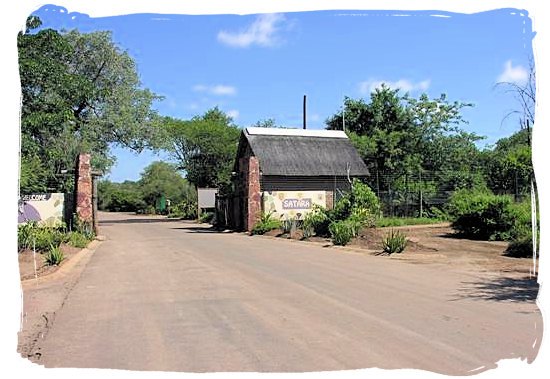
[[54, 256], [25, 235], [402, 221], [289, 224], [317, 221], [120, 197], [394, 242], [204, 147], [80, 93], [44, 237], [341, 232], [400, 138], [162, 178], [266, 223], [159, 178], [79, 239], [206, 217], [184, 209], [483, 215], [508, 167]]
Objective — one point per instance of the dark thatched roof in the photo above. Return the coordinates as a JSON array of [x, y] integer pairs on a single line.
[[297, 152]]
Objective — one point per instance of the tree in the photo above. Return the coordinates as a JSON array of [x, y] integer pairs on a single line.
[[162, 178], [508, 166], [266, 123], [525, 94], [204, 147], [411, 145], [81, 93]]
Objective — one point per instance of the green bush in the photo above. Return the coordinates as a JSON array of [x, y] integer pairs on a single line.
[[482, 215], [341, 232], [363, 199], [41, 237], [267, 222], [403, 221], [317, 221], [206, 217], [78, 239], [394, 242], [521, 249], [25, 235], [54, 256], [184, 209]]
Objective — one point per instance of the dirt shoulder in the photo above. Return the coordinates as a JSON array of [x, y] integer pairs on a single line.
[[437, 244], [45, 292]]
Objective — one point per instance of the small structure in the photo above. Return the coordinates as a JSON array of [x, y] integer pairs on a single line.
[[286, 171]]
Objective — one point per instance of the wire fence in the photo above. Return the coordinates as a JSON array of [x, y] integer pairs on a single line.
[[424, 194]]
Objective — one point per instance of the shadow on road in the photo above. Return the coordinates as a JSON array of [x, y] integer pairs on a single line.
[[138, 221], [202, 229], [501, 289]]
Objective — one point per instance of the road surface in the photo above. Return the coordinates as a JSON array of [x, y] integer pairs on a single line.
[[173, 296]]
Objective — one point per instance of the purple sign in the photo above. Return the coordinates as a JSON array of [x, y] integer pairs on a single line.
[[297, 204]]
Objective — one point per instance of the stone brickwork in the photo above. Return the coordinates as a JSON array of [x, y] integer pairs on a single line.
[[84, 206], [254, 196]]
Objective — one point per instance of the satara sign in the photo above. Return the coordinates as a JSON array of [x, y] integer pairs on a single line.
[[292, 204]]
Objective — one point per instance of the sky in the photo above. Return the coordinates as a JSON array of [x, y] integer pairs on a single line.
[[260, 66]]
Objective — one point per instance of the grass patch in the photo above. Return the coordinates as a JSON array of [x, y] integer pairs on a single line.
[[405, 221]]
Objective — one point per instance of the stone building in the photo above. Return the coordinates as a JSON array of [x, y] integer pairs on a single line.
[[286, 171]]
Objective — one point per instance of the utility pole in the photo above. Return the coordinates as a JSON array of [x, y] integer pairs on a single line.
[[304, 112]]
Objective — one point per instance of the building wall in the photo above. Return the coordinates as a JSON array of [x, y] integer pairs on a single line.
[[248, 202], [247, 189]]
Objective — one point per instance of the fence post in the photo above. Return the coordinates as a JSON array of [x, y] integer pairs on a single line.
[[420, 184]]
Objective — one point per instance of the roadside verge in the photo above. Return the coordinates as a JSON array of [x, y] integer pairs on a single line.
[[44, 296]]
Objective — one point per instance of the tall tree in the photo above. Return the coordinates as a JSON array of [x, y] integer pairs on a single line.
[[81, 93], [162, 178], [204, 147], [525, 94]]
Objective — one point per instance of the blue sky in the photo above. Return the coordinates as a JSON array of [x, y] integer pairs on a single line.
[[259, 66]]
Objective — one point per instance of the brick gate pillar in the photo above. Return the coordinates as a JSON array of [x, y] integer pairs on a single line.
[[84, 204], [254, 196]]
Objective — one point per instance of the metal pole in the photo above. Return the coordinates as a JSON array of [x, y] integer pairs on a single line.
[[304, 112], [420, 176]]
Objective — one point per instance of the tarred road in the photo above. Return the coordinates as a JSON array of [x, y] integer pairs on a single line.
[[171, 296]]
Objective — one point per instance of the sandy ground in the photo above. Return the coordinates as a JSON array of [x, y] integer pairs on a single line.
[[175, 296]]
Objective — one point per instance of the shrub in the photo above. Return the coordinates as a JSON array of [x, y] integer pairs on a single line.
[[54, 256], [25, 235], [340, 232], [364, 199], [184, 209], [288, 225], [318, 221], [307, 231], [43, 237], [394, 242], [78, 239], [206, 217], [267, 222], [521, 249], [482, 215]]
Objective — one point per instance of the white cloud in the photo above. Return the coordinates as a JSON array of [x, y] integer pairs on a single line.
[[405, 85], [233, 113], [218, 89], [262, 32], [513, 74]]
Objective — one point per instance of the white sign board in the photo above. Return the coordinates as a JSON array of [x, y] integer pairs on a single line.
[[207, 197], [292, 204]]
